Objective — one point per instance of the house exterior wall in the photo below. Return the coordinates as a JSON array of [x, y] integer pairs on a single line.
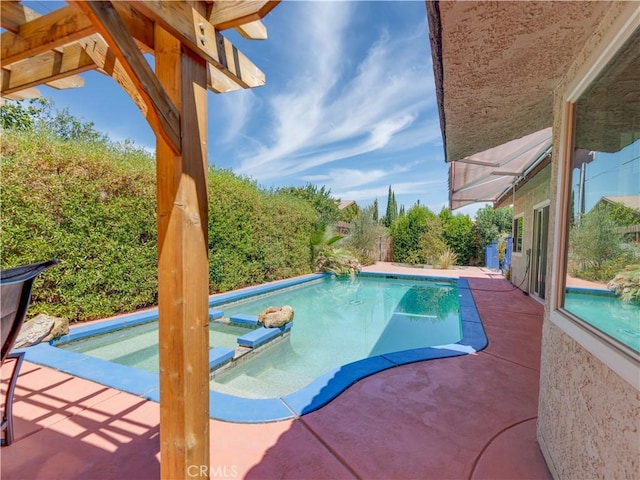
[[533, 194], [589, 401]]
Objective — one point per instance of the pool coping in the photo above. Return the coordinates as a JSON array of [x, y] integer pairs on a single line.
[[230, 408]]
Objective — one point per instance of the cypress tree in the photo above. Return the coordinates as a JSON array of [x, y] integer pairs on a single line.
[[375, 210]]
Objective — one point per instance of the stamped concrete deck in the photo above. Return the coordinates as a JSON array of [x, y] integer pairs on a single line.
[[470, 417]]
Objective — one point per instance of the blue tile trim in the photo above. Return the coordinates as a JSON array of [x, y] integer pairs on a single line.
[[121, 377], [76, 333], [257, 337], [331, 384], [591, 291], [219, 356], [214, 314], [406, 276], [221, 298], [244, 410], [244, 319]]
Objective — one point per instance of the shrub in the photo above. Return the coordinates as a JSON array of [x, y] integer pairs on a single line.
[[91, 204], [255, 236], [365, 233], [447, 259]]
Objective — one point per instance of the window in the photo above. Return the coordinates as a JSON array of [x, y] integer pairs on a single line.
[[603, 251], [518, 224]]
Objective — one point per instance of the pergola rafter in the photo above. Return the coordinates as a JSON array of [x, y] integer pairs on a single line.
[[191, 56]]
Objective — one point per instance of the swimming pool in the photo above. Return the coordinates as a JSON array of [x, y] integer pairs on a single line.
[[605, 311], [391, 320]]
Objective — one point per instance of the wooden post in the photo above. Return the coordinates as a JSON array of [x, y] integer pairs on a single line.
[[183, 272]]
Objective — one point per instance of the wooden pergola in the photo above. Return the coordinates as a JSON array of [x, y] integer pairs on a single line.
[[191, 56]]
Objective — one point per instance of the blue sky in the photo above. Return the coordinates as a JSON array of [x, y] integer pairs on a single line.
[[349, 103]]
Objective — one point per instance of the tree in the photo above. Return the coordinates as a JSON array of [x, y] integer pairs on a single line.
[[375, 214], [596, 252], [417, 237], [392, 209], [364, 236], [20, 115], [40, 114], [491, 223], [458, 234], [321, 201]]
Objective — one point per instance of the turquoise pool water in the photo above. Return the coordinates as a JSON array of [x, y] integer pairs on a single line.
[[337, 321], [137, 346], [606, 312]]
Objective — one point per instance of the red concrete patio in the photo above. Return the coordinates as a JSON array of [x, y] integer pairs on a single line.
[[464, 417]]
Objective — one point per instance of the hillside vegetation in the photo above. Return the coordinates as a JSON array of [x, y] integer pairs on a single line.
[[91, 204]]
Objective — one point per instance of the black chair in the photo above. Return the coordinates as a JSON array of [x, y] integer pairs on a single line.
[[15, 295]]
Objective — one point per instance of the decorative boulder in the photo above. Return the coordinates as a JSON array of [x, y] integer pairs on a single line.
[[60, 328], [34, 331], [41, 328], [276, 316]]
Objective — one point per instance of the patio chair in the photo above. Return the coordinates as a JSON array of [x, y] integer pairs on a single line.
[[15, 295]]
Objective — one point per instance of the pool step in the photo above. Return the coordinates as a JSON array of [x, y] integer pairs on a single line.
[[215, 314], [261, 335], [283, 377], [218, 356], [244, 319]]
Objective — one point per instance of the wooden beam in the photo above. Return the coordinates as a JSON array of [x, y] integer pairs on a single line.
[[74, 81], [162, 115], [183, 272], [49, 67], [218, 82], [56, 29], [14, 14], [142, 30], [253, 30], [232, 13], [23, 94], [107, 63], [197, 34]]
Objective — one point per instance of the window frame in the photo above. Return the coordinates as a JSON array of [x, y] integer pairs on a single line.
[[517, 233], [614, 354]]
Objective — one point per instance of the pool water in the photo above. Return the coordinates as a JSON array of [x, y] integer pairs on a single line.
[[608, 313], [337, 321], [138, 346]]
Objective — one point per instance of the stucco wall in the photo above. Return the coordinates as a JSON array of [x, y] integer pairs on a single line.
[[588, 415], [533, 193]]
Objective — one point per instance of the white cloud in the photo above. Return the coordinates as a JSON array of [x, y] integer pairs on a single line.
[[235, 108], [318, 120], [401, 188]]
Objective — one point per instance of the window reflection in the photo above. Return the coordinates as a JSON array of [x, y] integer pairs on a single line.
[[603, 264]]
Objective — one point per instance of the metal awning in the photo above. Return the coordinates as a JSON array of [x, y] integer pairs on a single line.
[[485, 176]]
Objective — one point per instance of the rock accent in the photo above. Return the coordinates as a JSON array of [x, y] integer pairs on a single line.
[[276, 316], [60, 328], [41, 328]]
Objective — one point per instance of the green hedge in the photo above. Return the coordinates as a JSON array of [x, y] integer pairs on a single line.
[[254, 235], [92, 206]]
